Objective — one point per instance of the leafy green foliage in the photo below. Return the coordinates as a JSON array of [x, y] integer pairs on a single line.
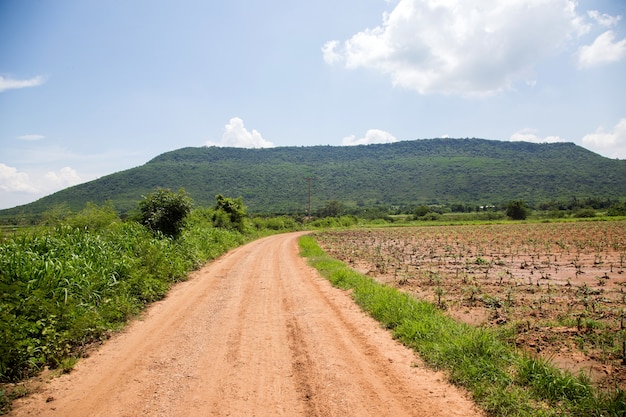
[[229, 212], [164, 211], [93, 217], [419, 172], [585, 213], [421, 211], [517, 210], [68, 285], [332, 208], [617, 209]]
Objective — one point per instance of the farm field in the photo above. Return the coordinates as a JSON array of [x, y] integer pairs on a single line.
[[554, 289]]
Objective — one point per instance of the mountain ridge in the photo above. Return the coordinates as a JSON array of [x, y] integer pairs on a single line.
[[422, 171]]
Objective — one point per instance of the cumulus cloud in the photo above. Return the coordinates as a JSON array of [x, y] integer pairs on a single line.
[[462, 47], [329, 52], [371, 136], [7, 83], [530, 135], [603, 50], [236, 135], [20, 187], [31, 137], [65, 177], [611, 144], [12, 180]]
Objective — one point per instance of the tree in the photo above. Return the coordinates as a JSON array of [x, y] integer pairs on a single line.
[[421, 211], [164, 211], [229, 212], [617, 209], [333, 208], [516, 210]]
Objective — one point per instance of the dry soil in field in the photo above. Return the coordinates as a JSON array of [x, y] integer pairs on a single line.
[[557, 287]]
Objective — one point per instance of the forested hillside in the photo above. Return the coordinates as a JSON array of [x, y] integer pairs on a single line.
[[469, 171]]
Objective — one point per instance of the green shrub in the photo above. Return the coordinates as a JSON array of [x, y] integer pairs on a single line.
[[229, 213], [420, 211], [164, 211], [585, 213], [618, 209], [517, 210], [93, 217]]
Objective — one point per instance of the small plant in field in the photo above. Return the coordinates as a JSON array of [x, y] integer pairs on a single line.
[[440, 292], [404, 279], [579, 321], [579, 270], [509, 296], [598, 260], [491, 302], [472, 292], [542, 300], [623, 335]]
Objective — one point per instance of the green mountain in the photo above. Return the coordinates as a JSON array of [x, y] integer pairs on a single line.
[[471, 171]]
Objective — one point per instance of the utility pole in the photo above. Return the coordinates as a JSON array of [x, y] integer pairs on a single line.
[[308, 212]]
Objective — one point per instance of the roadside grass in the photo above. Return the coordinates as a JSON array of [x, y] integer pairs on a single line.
[[67, 286], [502, 380]]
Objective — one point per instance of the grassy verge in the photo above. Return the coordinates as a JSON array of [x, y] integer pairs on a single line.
[[503, 381], [65, 287]]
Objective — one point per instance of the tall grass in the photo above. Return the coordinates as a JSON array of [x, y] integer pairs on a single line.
[[66, 286], [502, 381]]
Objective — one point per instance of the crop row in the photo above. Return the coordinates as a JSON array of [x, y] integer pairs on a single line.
[[550, 288]]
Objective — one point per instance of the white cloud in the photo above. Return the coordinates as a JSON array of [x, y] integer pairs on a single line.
[[611, 144], [329, 53], [11, 180], [461, 47], [237, 136], [604, 19], [530, 135], [18, 187], [10, 83], [371, 136], [602, 51], [31, 137], [65, 177]]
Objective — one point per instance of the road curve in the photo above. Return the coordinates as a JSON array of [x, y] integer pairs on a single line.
[[255, 333]]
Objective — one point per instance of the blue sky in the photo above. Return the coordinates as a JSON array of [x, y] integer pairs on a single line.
[[88, 88]]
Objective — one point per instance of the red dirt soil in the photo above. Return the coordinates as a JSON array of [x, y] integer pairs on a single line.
[[256, 333]]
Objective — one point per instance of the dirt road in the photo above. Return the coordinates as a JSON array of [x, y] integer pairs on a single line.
[[255, 333]]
